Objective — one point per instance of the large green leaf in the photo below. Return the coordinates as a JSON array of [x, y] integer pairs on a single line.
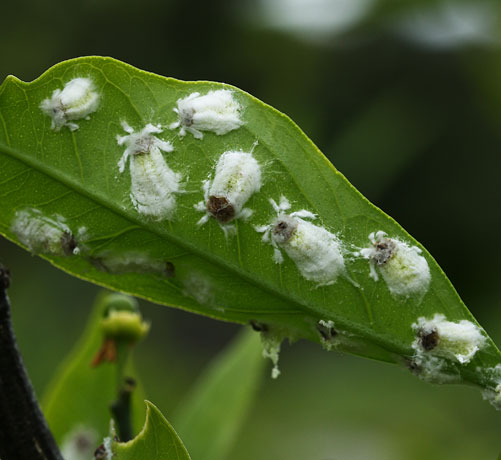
[[157, 440], [78, 397], [209, 420], [75, 174]]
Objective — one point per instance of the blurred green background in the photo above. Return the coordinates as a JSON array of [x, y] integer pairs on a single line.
[[404, 97]]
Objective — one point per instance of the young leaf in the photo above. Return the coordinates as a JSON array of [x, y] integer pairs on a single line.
[[93, 158], [78, 398], [209, 420], [157, 440]]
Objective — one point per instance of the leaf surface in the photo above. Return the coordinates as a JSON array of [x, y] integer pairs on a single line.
[[157, 440], [75, 174]]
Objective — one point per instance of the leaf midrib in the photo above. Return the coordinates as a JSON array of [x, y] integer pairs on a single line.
[[75, 186], [99, 200]]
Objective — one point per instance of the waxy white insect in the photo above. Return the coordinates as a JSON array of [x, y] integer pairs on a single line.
[[236, 179], [200, 288], [79, 443], [77, 100], [403, 268], [217, 111], [316, 252], [44, 235], [492, 393], [457, 341], [153, 184]]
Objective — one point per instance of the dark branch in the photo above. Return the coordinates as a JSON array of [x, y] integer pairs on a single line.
[[24, 434]]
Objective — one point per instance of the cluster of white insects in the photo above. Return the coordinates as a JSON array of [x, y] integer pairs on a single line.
[[318, 253]]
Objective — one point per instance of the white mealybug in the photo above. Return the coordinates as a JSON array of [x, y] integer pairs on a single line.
[[200, 288], [77, 100], [216, 111], [44, 235], [79, 443], [493, 392], [316, 252], [458, 341], [153, 183], [237, 177], [402, 266]]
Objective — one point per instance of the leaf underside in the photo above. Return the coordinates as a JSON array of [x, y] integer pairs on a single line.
[[74, 174], [157, 440]]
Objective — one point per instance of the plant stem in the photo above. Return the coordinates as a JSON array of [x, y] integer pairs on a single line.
[[24, 434], [121, 410]]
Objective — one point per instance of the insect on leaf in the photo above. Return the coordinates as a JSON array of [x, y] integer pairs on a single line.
[[199, 196]]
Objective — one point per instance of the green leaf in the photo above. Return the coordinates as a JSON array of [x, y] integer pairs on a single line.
[[209, 420], [157, 440], [79, 396], [70, 181]]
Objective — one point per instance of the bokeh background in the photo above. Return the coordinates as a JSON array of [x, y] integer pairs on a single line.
[[405, 100]]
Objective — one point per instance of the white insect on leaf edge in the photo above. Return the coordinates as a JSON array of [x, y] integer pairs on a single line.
[[404, 269], [458, 341], [217, 111], [77, 100], [46, 235]]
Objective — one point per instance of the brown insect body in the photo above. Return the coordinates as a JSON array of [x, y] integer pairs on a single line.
[[221, 209], [429, 340]]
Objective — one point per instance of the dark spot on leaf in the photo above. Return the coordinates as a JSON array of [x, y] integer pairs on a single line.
[[170, 270], [327, 333], [429, 340], [258, 327], [98, 263], [68, 243], [222, 210]]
